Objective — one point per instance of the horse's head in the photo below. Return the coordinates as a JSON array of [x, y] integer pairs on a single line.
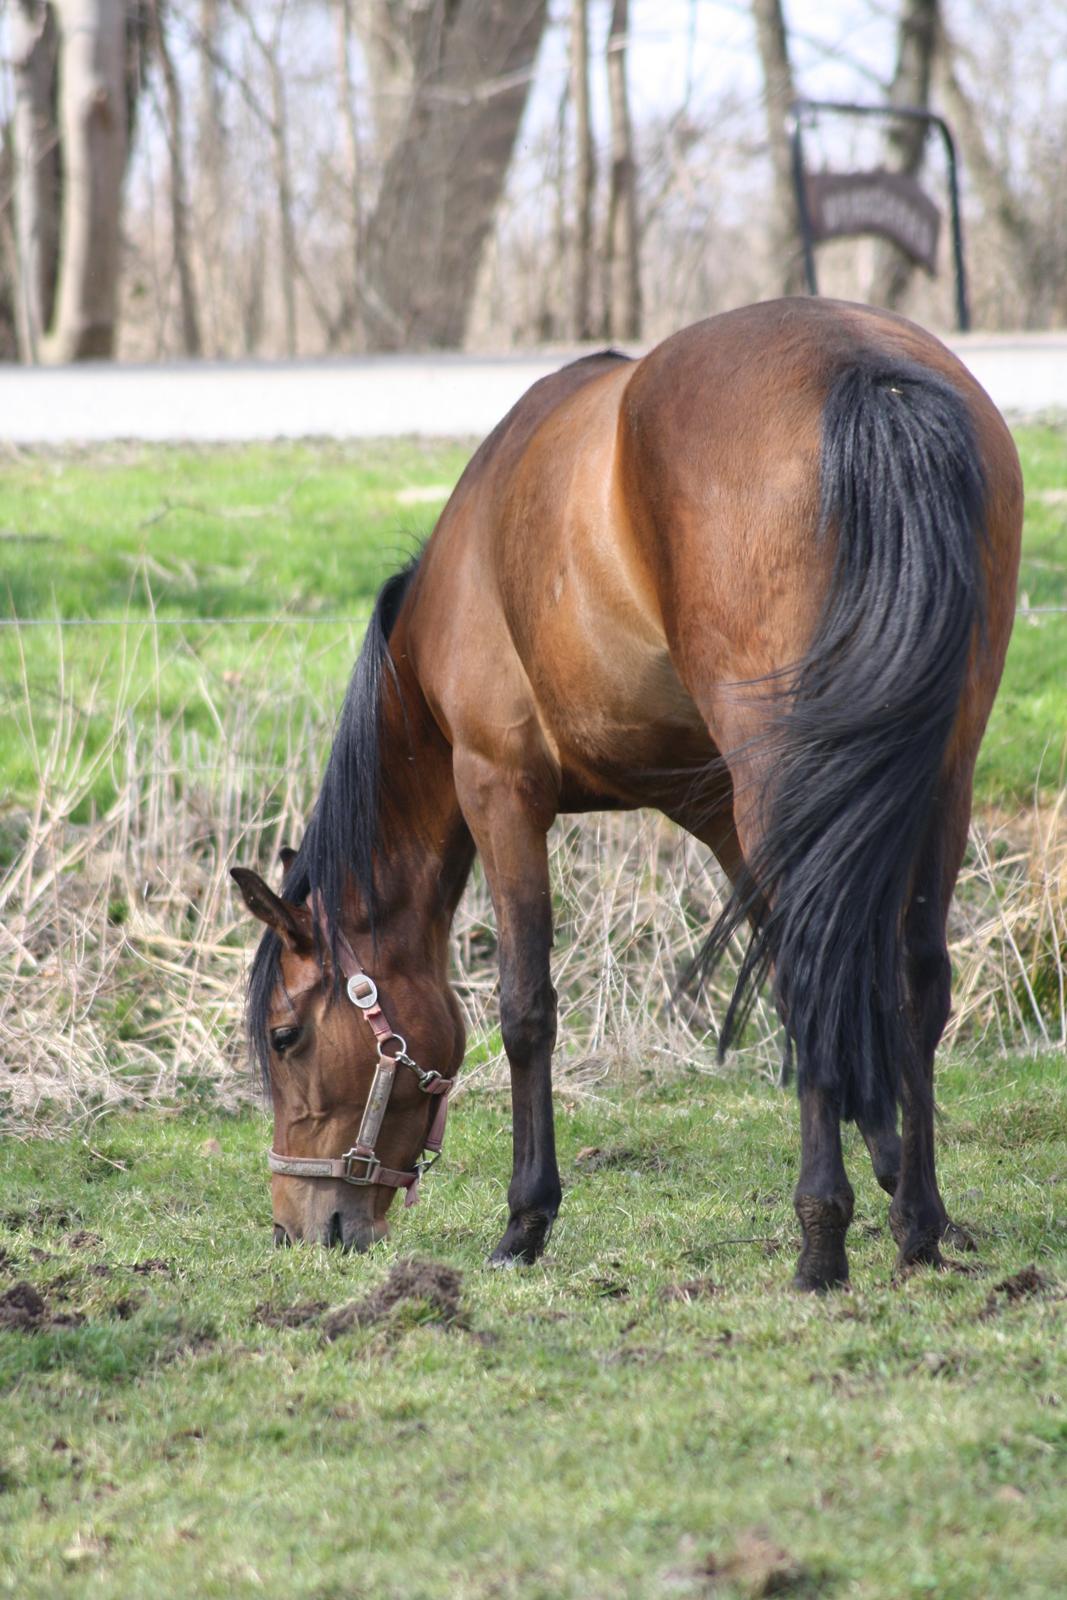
[[359, 1069]]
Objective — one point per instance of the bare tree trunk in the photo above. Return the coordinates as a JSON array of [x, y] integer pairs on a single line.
[[582, 264], [354, 165], [209, 170], [623, 297], [37, 171], [279, 132], [179, 204], [470, 64], [916, 47], [779, 92], [991, 184], [93, 127], [278, 122]]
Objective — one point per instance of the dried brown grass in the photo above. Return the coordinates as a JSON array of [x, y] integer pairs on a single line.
[[123, 950]]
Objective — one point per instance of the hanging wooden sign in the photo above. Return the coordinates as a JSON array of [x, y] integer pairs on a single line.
[[841, 204]]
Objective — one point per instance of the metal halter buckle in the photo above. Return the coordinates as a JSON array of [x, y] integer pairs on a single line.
[[362, 991], [424, 1163], [370, 1161]]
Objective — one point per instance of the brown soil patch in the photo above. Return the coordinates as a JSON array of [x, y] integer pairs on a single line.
[[757, 1567], [153, 1264], [83, 1239], [23, 1309], [1020, 1286], [595, 1159], [694, 1289], [294, 1316], [426, 1284]]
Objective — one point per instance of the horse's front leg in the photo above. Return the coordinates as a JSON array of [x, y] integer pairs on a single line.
[[510, 829]]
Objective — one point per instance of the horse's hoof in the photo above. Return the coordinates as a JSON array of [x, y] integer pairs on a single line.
[[819, 1278], [922, 1252], [522, 1243]]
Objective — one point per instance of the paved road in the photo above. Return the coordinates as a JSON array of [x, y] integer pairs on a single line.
[[374, 397]]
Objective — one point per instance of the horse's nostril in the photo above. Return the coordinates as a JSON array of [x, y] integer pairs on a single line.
[[281, 1238], [334, 1234]]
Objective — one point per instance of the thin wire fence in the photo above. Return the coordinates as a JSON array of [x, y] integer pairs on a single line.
[[287, 619]]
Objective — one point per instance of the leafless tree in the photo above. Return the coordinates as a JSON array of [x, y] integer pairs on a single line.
[[353, 174], [623, 297], [37, 174], [77, 73], [779, 91], [916, 47], [452, 81], [582, 266], [179, 199]]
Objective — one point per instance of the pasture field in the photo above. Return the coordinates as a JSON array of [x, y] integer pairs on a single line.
[[649, 1412], [308, 532]]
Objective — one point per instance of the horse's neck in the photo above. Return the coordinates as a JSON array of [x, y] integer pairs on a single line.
[[426, 852]]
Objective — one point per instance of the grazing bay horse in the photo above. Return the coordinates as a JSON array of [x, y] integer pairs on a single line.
[[762, 579]]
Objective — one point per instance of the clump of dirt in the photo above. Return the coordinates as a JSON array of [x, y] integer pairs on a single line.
[[39, 1214], [23, 1309], [595, 1159], [757, 1567], [637, 1355], [294, 1316], [83, 1239], [428, 1285], [694, 1289], [958, 1237], [1020, 1286], [153, 1264]]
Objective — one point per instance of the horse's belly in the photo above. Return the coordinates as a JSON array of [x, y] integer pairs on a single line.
[[612, 705]]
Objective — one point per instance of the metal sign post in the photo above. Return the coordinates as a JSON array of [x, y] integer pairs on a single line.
[[890, 204]]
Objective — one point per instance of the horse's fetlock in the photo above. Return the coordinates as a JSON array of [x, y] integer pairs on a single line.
[[824, 1213]]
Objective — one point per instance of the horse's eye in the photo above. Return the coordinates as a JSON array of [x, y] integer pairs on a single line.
[[282, 1039]]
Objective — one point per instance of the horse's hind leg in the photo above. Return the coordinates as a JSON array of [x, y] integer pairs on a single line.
[[823, 1197], [917, 1215], [510, 831], [883, 1145]]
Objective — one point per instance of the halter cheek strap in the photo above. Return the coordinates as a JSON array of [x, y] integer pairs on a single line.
[[360, 1165]]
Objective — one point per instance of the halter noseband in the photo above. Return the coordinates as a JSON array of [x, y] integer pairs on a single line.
[[360, 1165]]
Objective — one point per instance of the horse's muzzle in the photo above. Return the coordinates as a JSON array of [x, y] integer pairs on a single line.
[[310, 1211]]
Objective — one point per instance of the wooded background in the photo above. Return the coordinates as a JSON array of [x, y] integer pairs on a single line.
[[300, 177]]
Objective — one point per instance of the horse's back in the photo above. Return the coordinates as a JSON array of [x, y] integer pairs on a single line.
[[722, 430], [636, 538]]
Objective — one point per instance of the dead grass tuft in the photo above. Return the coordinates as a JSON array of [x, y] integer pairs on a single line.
[[123, 952]]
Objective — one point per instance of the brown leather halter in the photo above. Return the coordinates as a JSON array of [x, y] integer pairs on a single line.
[[360, 1165]]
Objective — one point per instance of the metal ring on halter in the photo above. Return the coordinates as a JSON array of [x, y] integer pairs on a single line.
[[393, 1038], [362, 991]]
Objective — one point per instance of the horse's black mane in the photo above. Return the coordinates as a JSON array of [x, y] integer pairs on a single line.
[[340, 840]]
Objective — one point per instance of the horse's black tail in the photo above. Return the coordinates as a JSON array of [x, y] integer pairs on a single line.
[[864, 723]]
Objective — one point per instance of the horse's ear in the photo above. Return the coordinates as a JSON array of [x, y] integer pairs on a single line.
[[286, 855], [290, 923]]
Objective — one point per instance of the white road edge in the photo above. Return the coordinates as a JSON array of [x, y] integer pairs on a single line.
[[432, 396]]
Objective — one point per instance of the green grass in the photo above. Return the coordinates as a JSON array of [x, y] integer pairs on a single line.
[[155, 534], [311, 530], [1026, 742], [582, 1435]]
